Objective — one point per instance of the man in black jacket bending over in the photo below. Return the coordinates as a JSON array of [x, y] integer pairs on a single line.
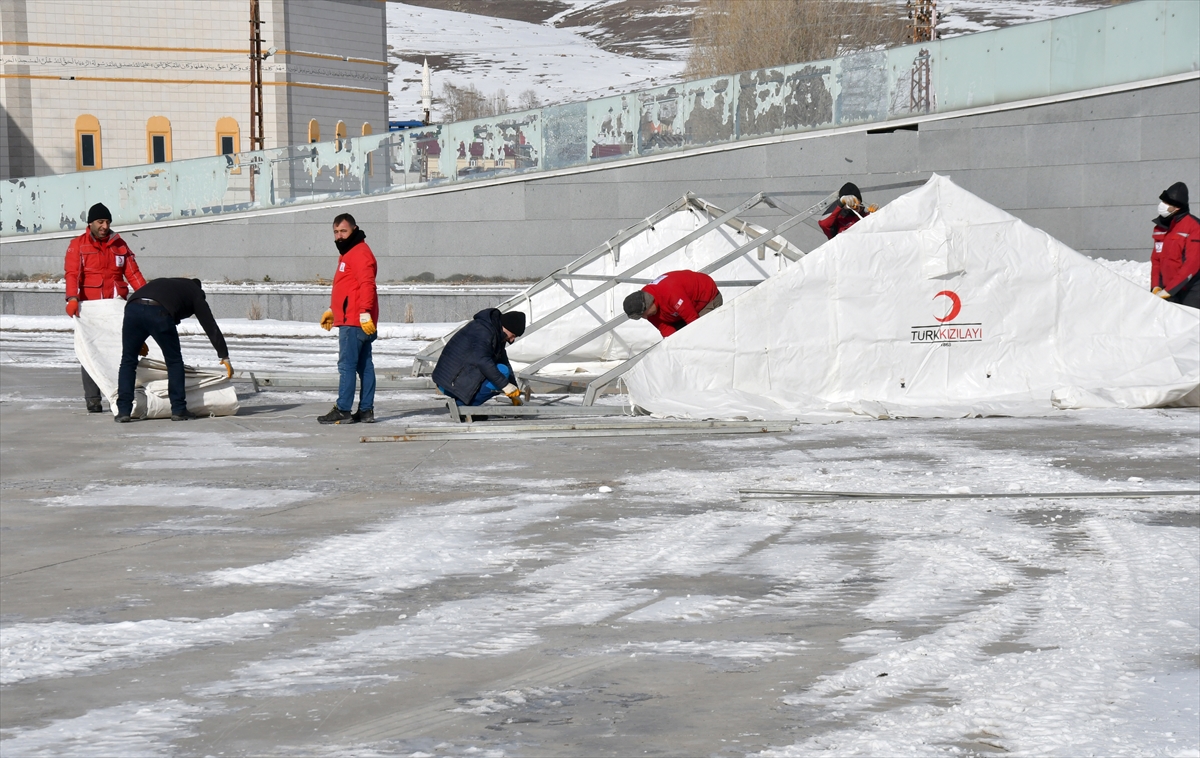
[[473, 365], [154, 311]]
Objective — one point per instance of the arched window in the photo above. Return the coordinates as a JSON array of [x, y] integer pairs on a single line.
[[87, 143], [158, 139], [314, 131], [339, 133], [366, 130], [229, 136]]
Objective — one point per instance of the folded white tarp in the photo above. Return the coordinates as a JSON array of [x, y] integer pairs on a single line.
[[632, 338], [939, 305], [98, 347]]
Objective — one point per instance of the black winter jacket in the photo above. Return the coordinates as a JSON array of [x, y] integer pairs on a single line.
[[471, 356], [183, 298]]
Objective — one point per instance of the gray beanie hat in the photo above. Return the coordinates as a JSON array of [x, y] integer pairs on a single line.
[[637, 303]]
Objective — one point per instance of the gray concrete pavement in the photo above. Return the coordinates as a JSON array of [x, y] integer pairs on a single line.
[[260, 585]]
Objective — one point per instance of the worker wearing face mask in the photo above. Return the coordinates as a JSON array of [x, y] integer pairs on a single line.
[[1175, 262]]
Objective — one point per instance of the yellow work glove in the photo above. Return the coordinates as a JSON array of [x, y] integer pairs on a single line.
[[327, 320], [872, 208], [1160, 292], [228, 368], [364, 320], [513, 392], [849, 201], [144, 350]]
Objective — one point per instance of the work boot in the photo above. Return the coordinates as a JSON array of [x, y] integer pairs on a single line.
[[184, 415], [337, 416], [123, 419], [364, 417], [94, 406]]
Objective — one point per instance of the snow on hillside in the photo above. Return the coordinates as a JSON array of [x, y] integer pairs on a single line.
[[571, 50], [559, 65]]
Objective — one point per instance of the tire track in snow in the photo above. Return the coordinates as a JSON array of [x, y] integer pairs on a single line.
[[582, 590], [30, 651], [1102, 628]]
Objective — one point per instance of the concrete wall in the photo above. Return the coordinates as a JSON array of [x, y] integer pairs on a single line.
[[428, 306], [1088, 171]]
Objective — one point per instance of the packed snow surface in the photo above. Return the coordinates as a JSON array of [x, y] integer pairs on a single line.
[[1047, 627]]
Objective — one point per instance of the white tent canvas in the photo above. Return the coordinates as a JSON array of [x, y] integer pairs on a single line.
[[98, 347], [939, 305], [631, 338]]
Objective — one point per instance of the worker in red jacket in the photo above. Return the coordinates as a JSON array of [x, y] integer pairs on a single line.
[[99, 265], [846, 211], [1175, 262], [354, 310], [674, 300]]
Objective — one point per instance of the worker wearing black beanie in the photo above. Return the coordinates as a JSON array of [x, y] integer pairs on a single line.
[[98, 266], [1175, 261], [99, 211]]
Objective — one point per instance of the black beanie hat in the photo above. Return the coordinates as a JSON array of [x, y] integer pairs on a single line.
[[98, 211], [513, 321], [850, 188], [1176, 195]]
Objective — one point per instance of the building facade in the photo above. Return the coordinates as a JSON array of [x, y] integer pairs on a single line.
[[92, 84]]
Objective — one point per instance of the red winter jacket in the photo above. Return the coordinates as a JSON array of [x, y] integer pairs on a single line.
[[354, 287], [840, 220], [99, 270], [680, 296], [1176, 256]]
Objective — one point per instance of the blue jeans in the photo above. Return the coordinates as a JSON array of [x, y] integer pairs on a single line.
[[354, 361], [142, 321]]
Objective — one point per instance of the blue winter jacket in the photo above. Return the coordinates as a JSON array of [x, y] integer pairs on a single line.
[[471, 356]]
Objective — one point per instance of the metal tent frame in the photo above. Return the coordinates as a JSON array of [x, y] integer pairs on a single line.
[[758, 244]]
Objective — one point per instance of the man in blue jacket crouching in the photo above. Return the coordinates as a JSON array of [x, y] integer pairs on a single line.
[[473, 366]]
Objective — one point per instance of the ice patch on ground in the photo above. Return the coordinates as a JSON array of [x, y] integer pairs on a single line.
[[58, 648], [131, 730], [737, 650], [168, 496], [587, 588], [689, 608], [412, 550], [210, 450], [1092, 643]]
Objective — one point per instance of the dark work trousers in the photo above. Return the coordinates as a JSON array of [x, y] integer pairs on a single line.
[[1190, 298], [91, 391], [142, 321]]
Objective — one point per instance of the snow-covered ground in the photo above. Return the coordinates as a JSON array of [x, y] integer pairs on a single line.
[[1062, 628], [925, 627]]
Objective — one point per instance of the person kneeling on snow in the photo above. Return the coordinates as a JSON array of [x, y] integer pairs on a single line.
[[154, 311], [474, 366], [674, 300], [846, 211], [1175, 262]]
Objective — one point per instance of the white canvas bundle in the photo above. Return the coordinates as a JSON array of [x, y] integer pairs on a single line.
[[631, 338], [938, 305], [98, 347]]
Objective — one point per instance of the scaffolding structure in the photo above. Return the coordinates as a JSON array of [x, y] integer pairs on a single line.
[[760, 242]]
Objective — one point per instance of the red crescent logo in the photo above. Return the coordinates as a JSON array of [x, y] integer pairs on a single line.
[[955, 305]]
